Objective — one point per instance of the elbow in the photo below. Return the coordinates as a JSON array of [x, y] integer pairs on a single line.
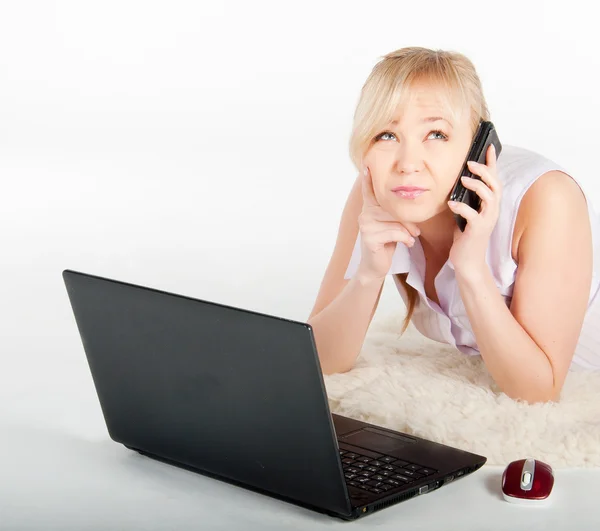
[[339, 369], [536, 395], [545, 398], [552, 395], [543, 389]]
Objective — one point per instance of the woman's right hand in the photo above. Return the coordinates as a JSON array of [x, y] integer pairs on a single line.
[[379, 233]]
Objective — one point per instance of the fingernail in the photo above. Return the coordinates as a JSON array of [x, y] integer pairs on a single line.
[[493, 147], [365, 171]]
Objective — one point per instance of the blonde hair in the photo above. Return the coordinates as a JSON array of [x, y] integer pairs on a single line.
[[385, 89]]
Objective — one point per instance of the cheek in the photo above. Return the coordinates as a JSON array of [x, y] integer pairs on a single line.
[[377, 159], [450, 182], [446, 179]]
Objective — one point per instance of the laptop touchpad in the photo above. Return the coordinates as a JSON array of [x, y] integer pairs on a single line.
[[379, 440]]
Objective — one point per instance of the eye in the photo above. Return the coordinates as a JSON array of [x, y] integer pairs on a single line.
[[442, 136], [438, 132], [378, 137]]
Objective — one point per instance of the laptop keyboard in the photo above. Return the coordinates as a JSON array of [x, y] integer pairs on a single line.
[[381, 474]]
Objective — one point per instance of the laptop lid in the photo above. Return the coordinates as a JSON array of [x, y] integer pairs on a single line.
[[227, 391]]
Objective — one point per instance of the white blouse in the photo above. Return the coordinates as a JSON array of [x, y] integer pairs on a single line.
[[517, 168]]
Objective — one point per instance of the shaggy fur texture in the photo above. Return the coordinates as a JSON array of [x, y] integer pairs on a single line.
[[418, 386]]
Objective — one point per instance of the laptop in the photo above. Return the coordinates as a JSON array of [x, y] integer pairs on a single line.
[[239, 396]]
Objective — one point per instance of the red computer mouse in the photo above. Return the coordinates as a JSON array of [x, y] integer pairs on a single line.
[[528, 482]]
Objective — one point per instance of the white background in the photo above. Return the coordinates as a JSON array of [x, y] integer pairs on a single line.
[[202, 148]]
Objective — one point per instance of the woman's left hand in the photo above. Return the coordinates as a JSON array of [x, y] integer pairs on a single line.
[[469, 247]]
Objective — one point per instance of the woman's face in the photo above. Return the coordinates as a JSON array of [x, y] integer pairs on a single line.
[[421, 154]]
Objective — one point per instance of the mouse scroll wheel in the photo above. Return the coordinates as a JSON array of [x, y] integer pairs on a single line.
[[526, 478]]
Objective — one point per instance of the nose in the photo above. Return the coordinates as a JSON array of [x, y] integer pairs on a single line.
[[409, 158]]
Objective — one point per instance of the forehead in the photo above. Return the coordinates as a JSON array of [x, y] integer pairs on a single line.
[[423, 101]]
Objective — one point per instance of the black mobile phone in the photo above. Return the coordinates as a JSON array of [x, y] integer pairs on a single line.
[[485, 135]]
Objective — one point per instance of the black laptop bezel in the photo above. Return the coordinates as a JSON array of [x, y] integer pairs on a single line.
[[355, 509]]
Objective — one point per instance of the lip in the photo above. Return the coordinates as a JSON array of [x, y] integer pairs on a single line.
[[408, 189], [408, 192]]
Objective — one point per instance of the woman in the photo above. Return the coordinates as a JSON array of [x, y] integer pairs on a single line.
[[517, 287]]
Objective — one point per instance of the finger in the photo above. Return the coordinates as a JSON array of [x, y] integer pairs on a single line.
[[367, 188], [376, 227], [491, 156], [463, 210], [480, 188], [384, 215], [412, 228], [393, 225], [390, 235], [487, 176], [396, 236]]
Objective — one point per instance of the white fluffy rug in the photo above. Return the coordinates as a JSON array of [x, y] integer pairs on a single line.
[[418, 386]]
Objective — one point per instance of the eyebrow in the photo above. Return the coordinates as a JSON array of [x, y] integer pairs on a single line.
[[427, 120]]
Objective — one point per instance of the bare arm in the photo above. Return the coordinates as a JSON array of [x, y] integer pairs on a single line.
[[344, 308], [340, 328], [529, 347]]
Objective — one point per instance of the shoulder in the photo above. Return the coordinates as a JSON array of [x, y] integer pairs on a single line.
[[553, 200], [535, 189], [553, 191]]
